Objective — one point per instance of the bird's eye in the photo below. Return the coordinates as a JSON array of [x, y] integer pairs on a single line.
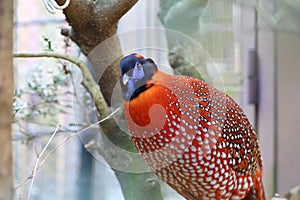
[[126, 78], [138, 65]]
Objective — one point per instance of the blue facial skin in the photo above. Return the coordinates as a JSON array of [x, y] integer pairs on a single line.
[[128, 63], [138, 71], [135, 74]]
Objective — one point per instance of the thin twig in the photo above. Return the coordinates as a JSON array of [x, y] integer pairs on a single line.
[[39, 164], [76, 133], [23, 182], [39, 155]]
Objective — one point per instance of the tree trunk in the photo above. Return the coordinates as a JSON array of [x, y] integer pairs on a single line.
[[6, 98], [96, 23]]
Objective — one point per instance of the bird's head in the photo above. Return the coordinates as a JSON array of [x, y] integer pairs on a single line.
[[136, 71]]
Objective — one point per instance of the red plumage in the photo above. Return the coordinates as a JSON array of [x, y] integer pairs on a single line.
[[195, 138]]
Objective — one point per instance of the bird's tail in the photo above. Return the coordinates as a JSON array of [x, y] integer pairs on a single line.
[[257, 191]]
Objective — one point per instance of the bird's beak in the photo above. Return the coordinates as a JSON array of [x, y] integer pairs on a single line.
[[126, 78]]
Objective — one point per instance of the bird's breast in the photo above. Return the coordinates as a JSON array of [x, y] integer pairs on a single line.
[[148, 113]]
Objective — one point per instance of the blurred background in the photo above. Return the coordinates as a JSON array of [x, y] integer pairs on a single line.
[[254, 55]]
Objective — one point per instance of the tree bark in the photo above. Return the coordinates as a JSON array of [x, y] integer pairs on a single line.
[[90, 29], [98, 21], [6, 98]]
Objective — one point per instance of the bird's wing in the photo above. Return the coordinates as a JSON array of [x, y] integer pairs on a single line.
[[227, 119]]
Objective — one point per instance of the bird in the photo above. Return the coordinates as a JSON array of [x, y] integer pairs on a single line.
[[193, 136]]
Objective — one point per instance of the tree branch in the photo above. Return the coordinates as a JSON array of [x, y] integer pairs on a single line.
[[114, 10], [98, 20], [88, 81]]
